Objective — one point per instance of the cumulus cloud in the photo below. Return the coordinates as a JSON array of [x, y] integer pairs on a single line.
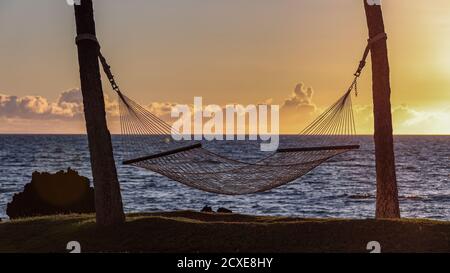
[[68, 106], [71, 96], [19, 113], [162, 110], [38, 114], [26, 107], [295, 111], [301, 99], [37, 107], [298, 109], [406, 120]]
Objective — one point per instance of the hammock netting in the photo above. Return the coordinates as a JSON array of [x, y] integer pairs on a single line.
[[149, 144]]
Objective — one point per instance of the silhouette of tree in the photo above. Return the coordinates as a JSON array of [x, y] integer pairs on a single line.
[[387, 192], [108, 200]]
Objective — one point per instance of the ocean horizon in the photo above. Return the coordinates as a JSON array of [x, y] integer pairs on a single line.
[[343, 187]]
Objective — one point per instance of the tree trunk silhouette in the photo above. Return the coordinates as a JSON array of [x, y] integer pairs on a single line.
[[387, 192], [108, 200]]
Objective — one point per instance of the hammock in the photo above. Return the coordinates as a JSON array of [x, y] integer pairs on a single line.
[[149, 145], [149, 140]]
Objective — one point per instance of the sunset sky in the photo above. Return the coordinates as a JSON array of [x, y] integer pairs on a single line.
[[227, 51]]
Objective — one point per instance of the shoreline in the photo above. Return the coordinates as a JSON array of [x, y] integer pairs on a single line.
[[194, 232]]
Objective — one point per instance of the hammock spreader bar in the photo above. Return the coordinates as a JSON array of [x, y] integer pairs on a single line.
[[321, 148], [166, 153]]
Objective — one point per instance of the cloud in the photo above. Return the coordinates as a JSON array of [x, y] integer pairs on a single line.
[[363, 115], [406, 120], [411, 121], [301, 99], [71, 96], [67, 114], [162, 110], [298, 110], [36, 114], [68, 106], [25, 107], [37, 107]]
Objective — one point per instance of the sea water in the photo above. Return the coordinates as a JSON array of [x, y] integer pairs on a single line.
[[342, 187]]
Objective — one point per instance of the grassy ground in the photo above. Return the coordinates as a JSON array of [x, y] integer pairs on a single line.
[[198, 232]]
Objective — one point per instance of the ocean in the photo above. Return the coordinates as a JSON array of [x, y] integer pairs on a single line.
[[343, 187]]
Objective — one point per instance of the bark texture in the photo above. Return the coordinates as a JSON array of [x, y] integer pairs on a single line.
[[108, 200], [387, 193]]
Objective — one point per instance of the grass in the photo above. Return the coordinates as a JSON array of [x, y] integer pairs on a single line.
[[187, 231]]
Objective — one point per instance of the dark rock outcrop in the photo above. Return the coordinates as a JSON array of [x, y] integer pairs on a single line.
[[51, 194], [207, 209], [224, 210]]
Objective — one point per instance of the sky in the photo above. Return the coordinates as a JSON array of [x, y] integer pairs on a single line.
[[299, 54]]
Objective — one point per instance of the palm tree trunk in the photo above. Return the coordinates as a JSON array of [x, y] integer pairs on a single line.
[[108, 200], [387, 192]]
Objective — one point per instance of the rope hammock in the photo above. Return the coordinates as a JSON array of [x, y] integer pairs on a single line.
[[149, 144]]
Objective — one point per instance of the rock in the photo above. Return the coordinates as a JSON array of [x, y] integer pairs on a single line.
[[51, 194], [207, 209], [224, 210]]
